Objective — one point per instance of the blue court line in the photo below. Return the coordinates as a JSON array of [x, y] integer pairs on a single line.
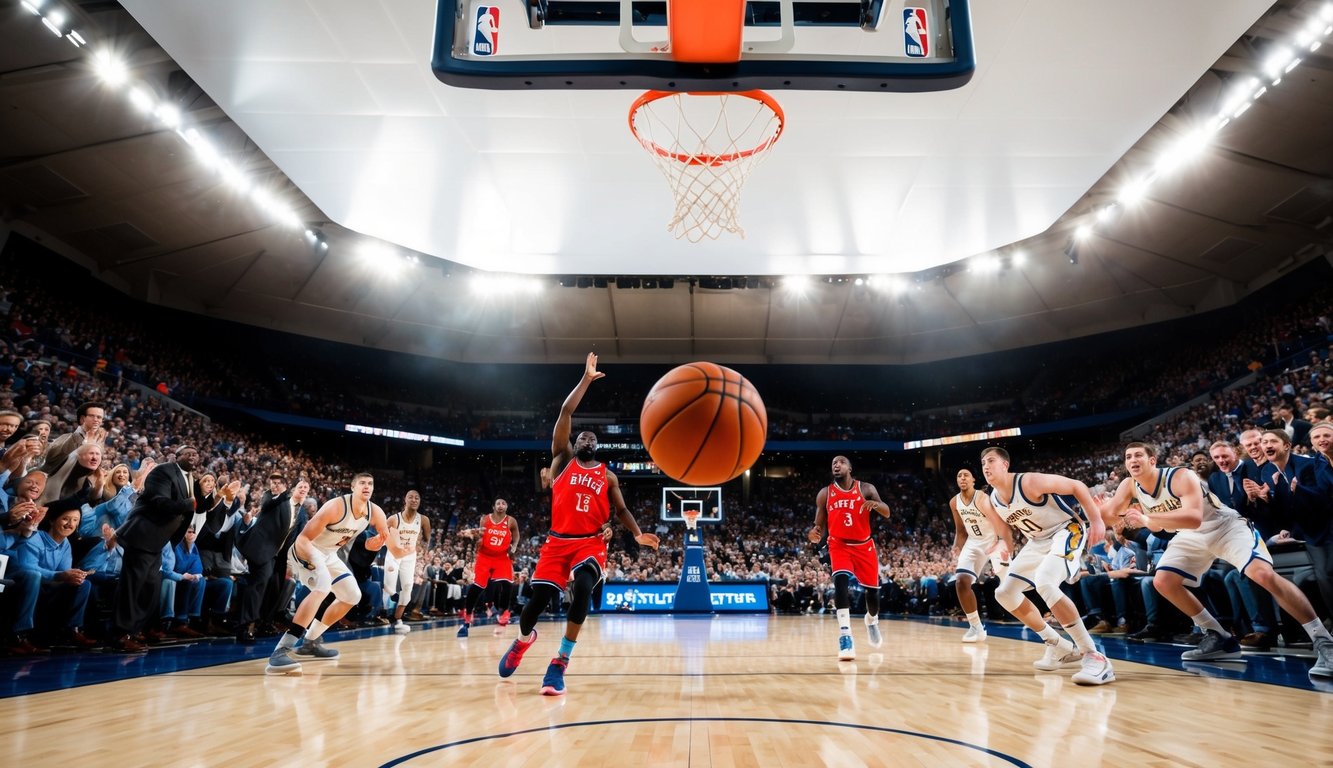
[[781, 721], [1286, 671]]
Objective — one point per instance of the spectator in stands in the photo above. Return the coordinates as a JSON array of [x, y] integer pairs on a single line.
[[263, 540], [64, 589], [78, 476], [1297, 430], [1248, 599], [10, 421], [1321, 437], [1299, 490], [90, 416], [162, 510]]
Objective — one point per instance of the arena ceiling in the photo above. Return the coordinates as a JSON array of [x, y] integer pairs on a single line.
[[333, 105]]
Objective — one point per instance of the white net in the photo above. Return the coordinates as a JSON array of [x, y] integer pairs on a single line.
[[706, 144], [691, 518]]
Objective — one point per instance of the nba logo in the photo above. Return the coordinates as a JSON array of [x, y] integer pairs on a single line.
[[916, 33], [488, 31]]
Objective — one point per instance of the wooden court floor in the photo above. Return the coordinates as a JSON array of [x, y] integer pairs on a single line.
[[657, 691]]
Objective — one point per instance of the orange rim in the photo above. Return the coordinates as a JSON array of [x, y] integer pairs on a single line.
[[761, 96]]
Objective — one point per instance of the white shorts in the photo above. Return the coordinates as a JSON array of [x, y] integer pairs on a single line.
[[1192, 552], [398, 576], [327, 573], [974, 555], [1052, 560]]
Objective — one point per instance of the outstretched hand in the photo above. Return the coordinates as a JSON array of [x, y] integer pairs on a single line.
[[590, 371], [815, 535], [648, 540]]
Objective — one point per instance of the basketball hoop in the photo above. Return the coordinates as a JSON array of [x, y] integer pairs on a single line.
[[691, 518], [706, 144]]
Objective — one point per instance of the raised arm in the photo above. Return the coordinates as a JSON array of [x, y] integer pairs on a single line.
[[561, 448]]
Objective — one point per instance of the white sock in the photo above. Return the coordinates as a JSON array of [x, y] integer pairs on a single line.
[[1205, 620], [1316, 629], [845, 620], [1048, 634], [317, 628], [974, 619], [1080, 635]]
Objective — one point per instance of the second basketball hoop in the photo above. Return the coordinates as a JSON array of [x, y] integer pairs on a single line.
[[706, 145]]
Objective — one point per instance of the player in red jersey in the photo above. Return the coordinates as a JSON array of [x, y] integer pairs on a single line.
[[843, 509], [583, 493], [497, 542]]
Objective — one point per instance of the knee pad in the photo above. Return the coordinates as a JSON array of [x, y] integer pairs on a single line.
[[347, 591], [1050, 594], [1010, 594]]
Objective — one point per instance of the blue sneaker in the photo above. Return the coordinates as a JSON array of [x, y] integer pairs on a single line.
[[282, 663], [462, 630], [315, 649], [510, 661], [554, 682], [845, 650]]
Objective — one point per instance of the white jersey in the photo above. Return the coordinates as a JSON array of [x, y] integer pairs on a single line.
[[975, 522], [1036, 519], [408, 530], [348, 527], [1160, 499]]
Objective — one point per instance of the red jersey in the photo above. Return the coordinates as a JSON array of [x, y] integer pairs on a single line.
[[580, 502], [495, 537], [846, 519]]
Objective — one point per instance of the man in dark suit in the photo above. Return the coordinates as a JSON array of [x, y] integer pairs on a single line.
[[262, 540], [162, 513], [1297, 429], [1300, 493], [1228, 483]]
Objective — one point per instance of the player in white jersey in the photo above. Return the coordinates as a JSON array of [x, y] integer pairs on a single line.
[[1175, 499], [975, 542], [410, 527], [1057, 534], [314, 562]]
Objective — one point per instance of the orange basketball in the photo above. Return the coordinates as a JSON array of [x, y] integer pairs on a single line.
[[703, 424]]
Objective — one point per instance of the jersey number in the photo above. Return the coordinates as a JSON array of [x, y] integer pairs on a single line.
[[583, 503], [1029, 526], [976, 529], [497, 541]]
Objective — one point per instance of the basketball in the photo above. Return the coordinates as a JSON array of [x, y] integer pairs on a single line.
[[703, 424]]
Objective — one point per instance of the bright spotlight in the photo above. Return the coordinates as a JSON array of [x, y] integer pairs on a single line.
[[1278, 60], [1082, 232], [110, 68], [1134, 192], [141, 100], [798, 284], [1018, 258], [169, 115], [32, 6]]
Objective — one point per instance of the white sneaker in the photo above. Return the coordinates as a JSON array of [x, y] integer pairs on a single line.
[[876, 638], [846, 652], [1096, 670], [401, 627], [1057, 655], [974, 635]]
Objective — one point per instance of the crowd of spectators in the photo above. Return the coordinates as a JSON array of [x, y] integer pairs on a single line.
[[81, 435]]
